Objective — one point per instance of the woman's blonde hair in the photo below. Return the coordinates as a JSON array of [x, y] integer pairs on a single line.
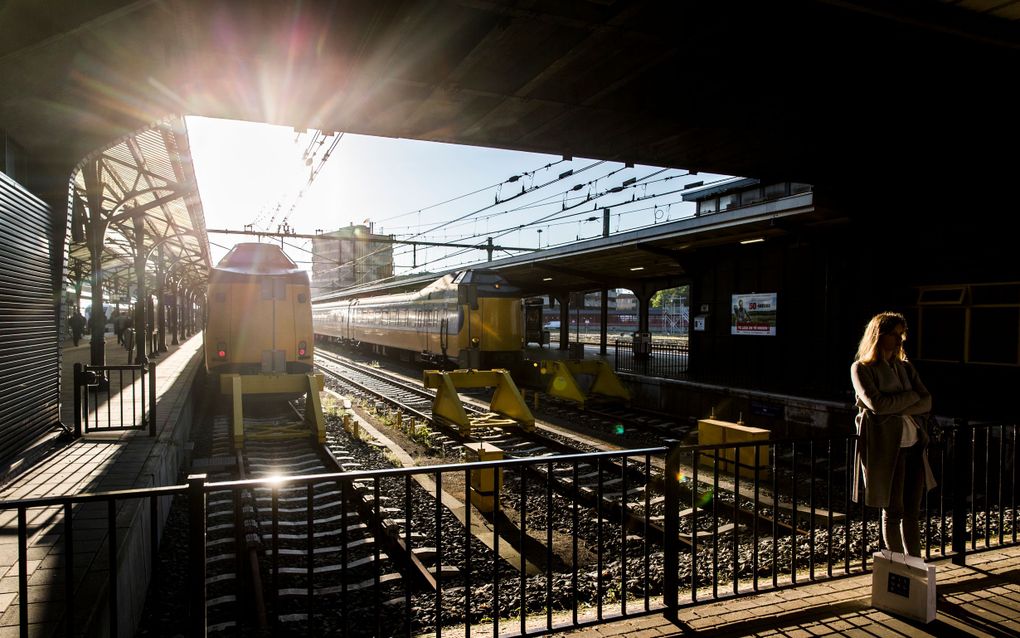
[[881, 324]]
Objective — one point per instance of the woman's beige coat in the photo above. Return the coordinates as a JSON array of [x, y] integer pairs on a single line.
[[886, 392]]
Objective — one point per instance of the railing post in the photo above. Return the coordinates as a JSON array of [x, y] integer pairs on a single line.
[[152, 399], [962, 454], [196, 555], [671, 530], [77, 400]]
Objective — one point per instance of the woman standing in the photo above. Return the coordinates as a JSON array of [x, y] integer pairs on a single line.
[[891, 455]]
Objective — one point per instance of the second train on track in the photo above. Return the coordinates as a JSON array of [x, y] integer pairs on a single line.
[[470, 318]]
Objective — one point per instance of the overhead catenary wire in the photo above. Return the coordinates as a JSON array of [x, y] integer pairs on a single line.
[[314, 174], [541, 220], [567, 211], [548, 200], [509, 180], [524, 191], [560, 212]]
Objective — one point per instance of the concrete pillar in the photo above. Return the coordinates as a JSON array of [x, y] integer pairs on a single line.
[[604, 321], [644, 301], [564, 300]]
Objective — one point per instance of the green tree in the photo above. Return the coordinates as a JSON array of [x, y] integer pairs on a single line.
[[667, 295]]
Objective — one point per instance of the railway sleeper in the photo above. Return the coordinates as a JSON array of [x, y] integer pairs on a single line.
[[318, 521], [343, 568], [295, 499], [351, 529], [361, 542]]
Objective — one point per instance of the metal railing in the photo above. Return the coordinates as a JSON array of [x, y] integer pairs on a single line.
[[665, 359], [591, 534], [800, 524], [92, 512], [114, 398]]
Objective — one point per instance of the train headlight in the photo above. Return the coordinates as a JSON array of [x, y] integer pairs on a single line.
[[302, 350], [474, 342], [221, 351]]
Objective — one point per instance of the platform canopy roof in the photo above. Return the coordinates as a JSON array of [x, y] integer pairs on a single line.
[[147, 173]]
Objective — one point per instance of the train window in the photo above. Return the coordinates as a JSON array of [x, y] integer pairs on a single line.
[[709, 205], [751, 196], [773, 191], [727, 202]]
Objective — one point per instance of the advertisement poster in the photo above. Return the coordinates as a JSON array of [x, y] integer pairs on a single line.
[[754, 314]]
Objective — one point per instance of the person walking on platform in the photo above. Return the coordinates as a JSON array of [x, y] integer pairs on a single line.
[[127, 323], [891, 452], [118, 326], [77, 325]]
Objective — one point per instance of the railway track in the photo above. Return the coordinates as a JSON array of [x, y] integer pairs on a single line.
[[609, 490], [753, 508], [311, 555], [320, 553]]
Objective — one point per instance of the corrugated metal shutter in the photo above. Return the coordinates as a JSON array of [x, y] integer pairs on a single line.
[[29, 344]]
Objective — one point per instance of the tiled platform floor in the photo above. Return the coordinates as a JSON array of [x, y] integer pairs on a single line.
[[979, 599]]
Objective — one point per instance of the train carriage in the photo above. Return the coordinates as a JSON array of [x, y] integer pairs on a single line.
[[260, 315], [472, 318]]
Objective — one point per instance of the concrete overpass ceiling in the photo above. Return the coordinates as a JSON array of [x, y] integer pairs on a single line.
[[815, 91]]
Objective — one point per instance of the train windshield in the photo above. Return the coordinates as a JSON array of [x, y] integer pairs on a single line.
[[479, 277]]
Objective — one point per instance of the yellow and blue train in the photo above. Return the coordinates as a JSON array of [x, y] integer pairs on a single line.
[[470, 318]]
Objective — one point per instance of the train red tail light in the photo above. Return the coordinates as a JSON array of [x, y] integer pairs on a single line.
[[221, 351], [302, 350]]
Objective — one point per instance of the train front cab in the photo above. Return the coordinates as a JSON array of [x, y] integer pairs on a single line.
[[493, 334], [259, 333], [259, 325]]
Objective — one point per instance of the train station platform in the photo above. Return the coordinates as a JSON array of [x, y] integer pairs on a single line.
[[979, 599], [96, 462]]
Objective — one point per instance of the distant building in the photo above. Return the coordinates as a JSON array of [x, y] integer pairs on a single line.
[[626, 301], [594, 299], [349, 257]]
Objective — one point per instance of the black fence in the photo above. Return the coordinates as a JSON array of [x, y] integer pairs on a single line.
[[662, 359], [83, 515], [597, 536], [114, 398]]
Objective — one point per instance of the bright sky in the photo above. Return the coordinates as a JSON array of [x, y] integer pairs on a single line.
[[258, 174]]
